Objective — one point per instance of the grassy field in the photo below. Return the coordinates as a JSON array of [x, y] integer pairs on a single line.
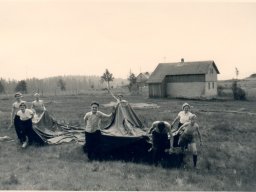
[[227, 159]]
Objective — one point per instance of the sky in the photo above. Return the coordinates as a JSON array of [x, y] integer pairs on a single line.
[[50, 38]]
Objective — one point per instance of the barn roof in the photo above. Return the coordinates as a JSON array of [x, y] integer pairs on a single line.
[[142, 77], [180, 68]]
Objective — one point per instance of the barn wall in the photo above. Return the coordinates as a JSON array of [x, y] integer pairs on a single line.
[[211, 82], [186, 90], [210, 88], [185, 78], [156, 90], [211, 75]]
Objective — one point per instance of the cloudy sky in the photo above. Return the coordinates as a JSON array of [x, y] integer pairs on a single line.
[[47, 38]]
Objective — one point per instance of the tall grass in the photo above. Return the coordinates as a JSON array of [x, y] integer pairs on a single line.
[[227, 159]]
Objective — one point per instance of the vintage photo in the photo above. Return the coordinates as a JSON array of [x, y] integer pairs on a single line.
[[107, 95]]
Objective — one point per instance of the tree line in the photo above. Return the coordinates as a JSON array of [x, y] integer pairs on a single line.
[[57, 84], [74, 84]]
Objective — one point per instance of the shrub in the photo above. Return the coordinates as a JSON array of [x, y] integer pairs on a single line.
[[238, 92], [220, 90], [21, 86]]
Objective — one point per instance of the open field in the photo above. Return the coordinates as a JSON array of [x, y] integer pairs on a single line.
[[227, 159]]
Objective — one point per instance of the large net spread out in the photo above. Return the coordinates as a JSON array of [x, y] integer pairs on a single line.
[[125, 129]]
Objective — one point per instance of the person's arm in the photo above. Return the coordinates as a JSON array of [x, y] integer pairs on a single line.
[[183, 126], [85, 119], [169, 127], [33, 107], [12, 117], [43, 106], [153, 126], [32, 114], [105, 115], [199, 134], [174, 121]]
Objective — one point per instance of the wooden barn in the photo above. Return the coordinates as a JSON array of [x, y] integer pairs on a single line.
[[196, 79]]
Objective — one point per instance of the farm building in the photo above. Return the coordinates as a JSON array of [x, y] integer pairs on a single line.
[[184, 80], [142, 78]]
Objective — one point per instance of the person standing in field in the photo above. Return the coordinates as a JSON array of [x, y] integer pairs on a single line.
[[92, 130], [15, 108], [160, 131], [25, 125], [38, 104], [182, 117], [188, 132]]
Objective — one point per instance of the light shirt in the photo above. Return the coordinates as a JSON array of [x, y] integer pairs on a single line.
[[184, 117], [27, 114], [38, 106], [93, 121], [16, 106]]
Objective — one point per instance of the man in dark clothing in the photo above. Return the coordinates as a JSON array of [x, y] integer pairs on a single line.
[[160, 131]]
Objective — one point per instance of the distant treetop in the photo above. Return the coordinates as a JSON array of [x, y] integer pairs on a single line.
[[253, 75]]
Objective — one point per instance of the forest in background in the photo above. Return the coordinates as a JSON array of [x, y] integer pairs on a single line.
[[58, 84]]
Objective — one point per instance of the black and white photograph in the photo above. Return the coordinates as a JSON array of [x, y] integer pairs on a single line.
[[129, 95]]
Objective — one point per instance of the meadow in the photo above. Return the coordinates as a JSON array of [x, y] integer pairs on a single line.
[[227, 158]]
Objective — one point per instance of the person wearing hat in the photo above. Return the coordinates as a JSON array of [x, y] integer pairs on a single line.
[[92, 130], [182, 117], [25, 124], [38, 104], [120, 97], [15, 108], [188, 132]]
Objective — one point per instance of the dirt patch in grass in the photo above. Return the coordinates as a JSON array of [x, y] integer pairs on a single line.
[[135, 105]]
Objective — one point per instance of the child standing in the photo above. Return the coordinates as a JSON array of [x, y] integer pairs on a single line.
[[25, 125], [188, 133], [92, 130], [15, 108]]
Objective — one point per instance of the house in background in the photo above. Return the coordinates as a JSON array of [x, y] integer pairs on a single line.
[[196, 79], [142, 78]]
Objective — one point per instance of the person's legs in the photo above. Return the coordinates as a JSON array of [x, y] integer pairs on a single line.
[[176, 137], [89, 144], [97, 145], [194, 151], [29, 131], [160, 143], [22, 131], [182, 143], [17, 123], [176, 140], [93, 144], [154, 156]]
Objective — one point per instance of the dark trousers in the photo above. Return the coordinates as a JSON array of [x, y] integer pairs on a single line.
[[160, 143], [24, 129], [93, 144], [17, 129]]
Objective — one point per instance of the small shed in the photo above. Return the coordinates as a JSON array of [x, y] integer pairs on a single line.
[[195, 79]]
